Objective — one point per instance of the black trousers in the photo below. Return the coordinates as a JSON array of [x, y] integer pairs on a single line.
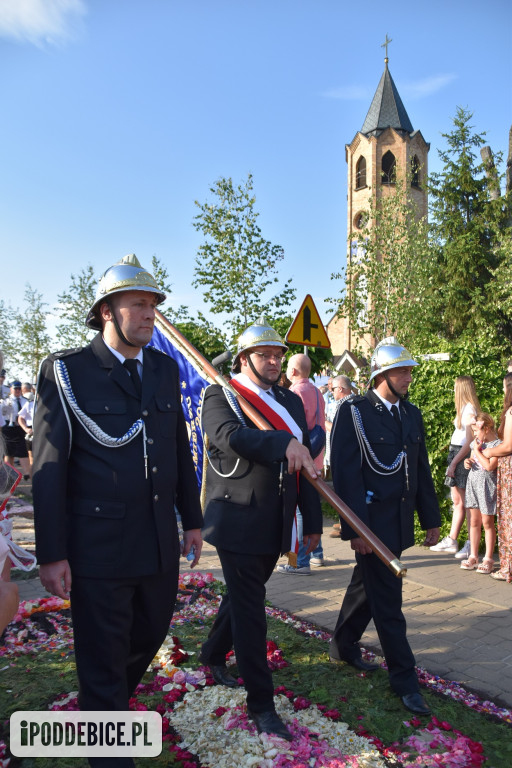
[[242, 623], [118, 626], [375, 593]]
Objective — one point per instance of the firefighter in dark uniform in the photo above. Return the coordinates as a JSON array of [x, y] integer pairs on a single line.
[[112, 461], [380, 469], [252, 490]]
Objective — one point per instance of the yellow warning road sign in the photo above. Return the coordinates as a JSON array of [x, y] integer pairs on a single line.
[[307, 328]]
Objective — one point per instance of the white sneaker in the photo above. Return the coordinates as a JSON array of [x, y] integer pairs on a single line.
[[304, 571], [316, 561], [447, 545], [464, 553]]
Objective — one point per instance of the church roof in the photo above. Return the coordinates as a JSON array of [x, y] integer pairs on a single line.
[[386, 110]]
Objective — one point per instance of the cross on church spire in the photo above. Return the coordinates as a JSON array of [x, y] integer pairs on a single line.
[[385, 45]]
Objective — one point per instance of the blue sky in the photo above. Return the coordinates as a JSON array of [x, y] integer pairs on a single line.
[[118, 114]]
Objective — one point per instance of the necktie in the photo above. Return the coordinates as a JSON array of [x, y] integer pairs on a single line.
[[396, 415], [18, 402], [131, 366]]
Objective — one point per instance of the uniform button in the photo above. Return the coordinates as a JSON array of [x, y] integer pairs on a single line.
[[227, 496], [155, 470], [150, 440], [155, 497], [145, 413], [97, 509], [107, 408], [382, 438], [168, 405]]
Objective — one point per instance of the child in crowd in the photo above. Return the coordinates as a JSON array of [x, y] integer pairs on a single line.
[[481, 494]]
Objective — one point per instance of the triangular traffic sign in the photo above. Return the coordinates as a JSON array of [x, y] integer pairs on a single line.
[[307, 328]]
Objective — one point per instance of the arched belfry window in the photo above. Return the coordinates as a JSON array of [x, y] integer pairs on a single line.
[[415, 171], [361, 173], [388, 168]]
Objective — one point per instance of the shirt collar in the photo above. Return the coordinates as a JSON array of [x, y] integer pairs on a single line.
[[386, 402], [121, 357]]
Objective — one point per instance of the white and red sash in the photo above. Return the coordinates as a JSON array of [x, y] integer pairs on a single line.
[[278, 423]]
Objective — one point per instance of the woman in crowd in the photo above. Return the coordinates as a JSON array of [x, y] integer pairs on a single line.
[[466, 406], [481, 494], [504, 485]]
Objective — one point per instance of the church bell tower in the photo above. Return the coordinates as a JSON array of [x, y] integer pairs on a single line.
[[377, 157]]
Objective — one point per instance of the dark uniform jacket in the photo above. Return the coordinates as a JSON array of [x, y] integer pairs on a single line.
[[390, 514], [246, 511], [93, 504]]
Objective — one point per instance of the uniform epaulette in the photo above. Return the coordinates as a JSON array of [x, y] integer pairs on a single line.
[[352, 399], [157, 351], [65, 353]]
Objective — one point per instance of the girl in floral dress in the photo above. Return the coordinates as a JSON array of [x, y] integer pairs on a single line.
[[504, 485], [481, 494]]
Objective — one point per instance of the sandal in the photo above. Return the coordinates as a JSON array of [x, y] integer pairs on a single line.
[[486, 566], [470, 564], [499, 576]]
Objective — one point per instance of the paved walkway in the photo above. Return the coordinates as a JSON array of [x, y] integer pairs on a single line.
[[459, 622]]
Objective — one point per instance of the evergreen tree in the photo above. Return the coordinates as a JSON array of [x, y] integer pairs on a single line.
[[469, 231], [236, 266]]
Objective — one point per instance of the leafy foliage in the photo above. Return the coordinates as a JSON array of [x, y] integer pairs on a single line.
[[161, 275], [205, 337], [236, 266], [73, 305], [388, 277], [432, 392], [32, 339], [470, 233]]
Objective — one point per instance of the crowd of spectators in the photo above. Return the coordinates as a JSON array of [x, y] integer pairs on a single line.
[[16, 410], [478, 474]]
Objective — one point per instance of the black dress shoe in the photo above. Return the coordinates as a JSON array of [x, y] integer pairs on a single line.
[[220, 674], [415, 703], [270, 722], [357, 663]]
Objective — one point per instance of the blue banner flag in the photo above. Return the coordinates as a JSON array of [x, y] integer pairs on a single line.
[[192, 387]]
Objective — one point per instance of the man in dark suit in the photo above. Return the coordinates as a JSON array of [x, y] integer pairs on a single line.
[[380, 469], [252, 490], [112, 460]]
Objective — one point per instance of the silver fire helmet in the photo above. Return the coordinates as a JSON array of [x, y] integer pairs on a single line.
[[125, 275], [389, 354], [259, 334]]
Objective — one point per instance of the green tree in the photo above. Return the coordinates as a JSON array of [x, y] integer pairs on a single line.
[[161, 275], [432, 392], [470, 233], [7, 326], [389, 277], [203, 334], [32, 337], [235, 265], [72, 308]]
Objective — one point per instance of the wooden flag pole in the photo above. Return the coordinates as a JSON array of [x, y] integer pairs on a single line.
[[213, 376]]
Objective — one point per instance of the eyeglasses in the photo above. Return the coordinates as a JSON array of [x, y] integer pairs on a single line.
[[267, 356]]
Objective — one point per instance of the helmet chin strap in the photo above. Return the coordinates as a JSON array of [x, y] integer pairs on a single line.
[[118, 329], [400, 397], [258, 375]]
